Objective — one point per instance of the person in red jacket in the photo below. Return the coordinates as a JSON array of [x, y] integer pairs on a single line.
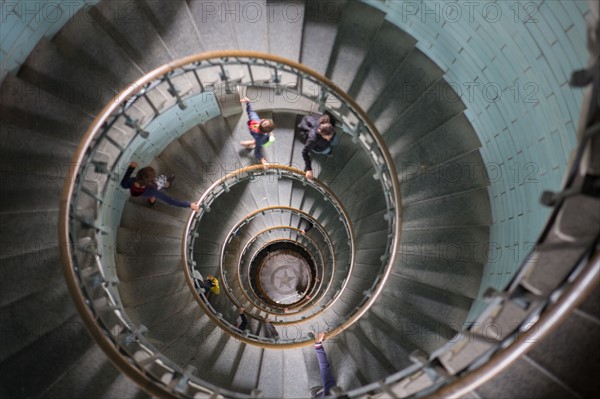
[[260, 130], [145, 184]]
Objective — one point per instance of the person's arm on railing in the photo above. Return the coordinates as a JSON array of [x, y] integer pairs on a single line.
[[310, 144], [152, 192], [252, 115], [127, 181]]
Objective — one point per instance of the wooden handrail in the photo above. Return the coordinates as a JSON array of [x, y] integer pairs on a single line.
[[240, 282], [65, 237]]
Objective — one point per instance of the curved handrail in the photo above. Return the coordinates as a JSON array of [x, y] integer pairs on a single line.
[[257, 170], [240, 336], [236, 302], [575, 292], [536, 315], [72, 224], [291, 210], [248, 173], [300, 306], [98, 319], [252, 240]]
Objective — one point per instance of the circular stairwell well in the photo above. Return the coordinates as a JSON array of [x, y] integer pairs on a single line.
[[398, 303]]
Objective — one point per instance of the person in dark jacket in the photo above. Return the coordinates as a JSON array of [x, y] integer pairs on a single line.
[[308, 123], [270, 330], [210, 284], [146, 185], [311, 121], [319, 141], [260, 130], [244, 320], [308, 226]]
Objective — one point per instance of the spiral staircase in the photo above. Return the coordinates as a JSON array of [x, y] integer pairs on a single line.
[[401, 211]]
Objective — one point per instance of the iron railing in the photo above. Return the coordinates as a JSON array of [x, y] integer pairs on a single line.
[[90, 209], [315, 253], [251, 173]]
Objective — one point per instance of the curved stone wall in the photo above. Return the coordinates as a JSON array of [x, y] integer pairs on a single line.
[[24, 22], [511, 62]]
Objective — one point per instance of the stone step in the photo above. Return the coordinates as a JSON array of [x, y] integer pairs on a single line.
[[295, 379], [440, 269], [318, 36], [414, 329], [146, 288], [25, 107], [183, 316], [93, 375], [214, 354], [134, 265], [247, 368], [143, 217], [147, 242], [348, 372], [30, 229], [378, 334], [154, 309], [73, 42], [358, 27], [561, 352], [449, 308], [467, 208], [465, 173], [374, 364], [193, 340], [518, 381], [449, 141], [414, 76], [52, 307], [47, 360], [286, 143], [129, 28], [460, 244], [284, 29], [47, 69], [386, 52], [21, 186], [271, 377], [427, 112], [28, 269]]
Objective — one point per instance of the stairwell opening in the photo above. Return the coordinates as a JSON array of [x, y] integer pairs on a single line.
[[282, 274]]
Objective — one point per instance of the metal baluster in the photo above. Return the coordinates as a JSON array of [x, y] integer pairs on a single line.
[[175, 93]]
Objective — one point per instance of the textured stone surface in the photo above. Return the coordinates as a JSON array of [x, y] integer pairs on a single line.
[[431, 295]]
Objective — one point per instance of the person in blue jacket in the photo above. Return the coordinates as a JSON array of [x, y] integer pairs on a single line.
[[327, 378], [144, 184], [260, 130]]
